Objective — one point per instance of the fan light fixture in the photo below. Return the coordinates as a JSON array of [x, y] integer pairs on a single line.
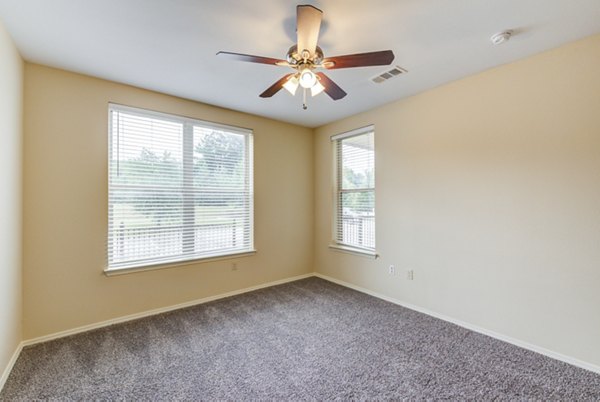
[[291, 85], [307, 78], [316, 89]]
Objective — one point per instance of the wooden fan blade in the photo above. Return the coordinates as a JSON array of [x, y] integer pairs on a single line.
[[253, 59], [273, 89], [308, 25], [331, 88], [381, 58]]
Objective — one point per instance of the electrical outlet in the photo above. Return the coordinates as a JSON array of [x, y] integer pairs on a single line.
[[410, 274], [234, 266], [392, 270]]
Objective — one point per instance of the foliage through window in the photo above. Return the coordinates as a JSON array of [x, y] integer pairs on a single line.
[[355, 189], [179, 189]]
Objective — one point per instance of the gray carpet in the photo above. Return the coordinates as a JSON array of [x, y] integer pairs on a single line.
[[309, 339]]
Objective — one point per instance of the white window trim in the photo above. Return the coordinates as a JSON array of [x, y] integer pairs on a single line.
[[154, 267], [353, 250], [114, 271], [353, 133], [334, 245]]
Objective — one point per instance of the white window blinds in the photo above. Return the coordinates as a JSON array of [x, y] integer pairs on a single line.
[[355, 189], [179, 189]]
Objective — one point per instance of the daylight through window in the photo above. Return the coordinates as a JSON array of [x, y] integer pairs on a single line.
[[355, 189], [179, 189]]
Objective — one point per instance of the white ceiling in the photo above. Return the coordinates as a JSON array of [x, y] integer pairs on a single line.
[[169, 45]]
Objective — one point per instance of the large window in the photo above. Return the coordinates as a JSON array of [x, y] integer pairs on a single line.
[[354, 225], [179, 189]]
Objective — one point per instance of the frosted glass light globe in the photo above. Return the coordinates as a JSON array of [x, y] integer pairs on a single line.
[[307, 78]]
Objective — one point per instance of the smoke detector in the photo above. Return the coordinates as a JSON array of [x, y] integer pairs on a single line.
[[501, 37]]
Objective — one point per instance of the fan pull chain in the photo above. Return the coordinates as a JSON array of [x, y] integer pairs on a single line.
[[304, 106]]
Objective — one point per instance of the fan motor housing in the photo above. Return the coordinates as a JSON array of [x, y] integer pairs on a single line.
[[294, 58]]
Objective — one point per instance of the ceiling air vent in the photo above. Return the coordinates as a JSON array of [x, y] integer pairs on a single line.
[[394, 72]]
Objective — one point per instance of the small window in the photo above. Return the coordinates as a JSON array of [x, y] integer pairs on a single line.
[[179, 189], [354, 225]]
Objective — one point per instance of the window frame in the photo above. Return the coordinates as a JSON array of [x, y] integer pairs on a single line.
[[188, 124], [335, 244]]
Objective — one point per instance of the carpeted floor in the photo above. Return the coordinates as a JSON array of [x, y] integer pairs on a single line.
[[309, 339]]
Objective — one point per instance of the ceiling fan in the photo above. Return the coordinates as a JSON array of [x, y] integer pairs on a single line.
[[305, 57]]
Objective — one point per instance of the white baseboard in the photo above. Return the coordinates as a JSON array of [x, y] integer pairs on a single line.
[[160, 310], [10, 365], [517, 342]]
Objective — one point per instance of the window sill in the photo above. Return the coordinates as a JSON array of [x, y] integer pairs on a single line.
[[130, 270], [354, 250]]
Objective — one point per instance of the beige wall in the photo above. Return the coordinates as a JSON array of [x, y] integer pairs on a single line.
[[11, 93], [489, 188], [65, 206]]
